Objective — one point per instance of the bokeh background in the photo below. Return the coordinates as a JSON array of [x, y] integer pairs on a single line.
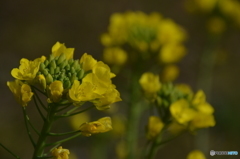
[[30, 28]]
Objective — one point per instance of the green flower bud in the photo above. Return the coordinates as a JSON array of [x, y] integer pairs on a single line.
[[75, 64], [63, 64], [61, 58], [67, 67], [46, 62], [42, 67], [70, 61], [80, 74], [72, 70], [45, 72], [53, 64], [51, 57], [51, 70], [49, 79], [57, 70], [73, 78], [67, 84]]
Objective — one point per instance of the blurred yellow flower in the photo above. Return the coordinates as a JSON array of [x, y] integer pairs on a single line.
[[216, 25], [181, 111], [114, 55], [202, 120], [87, 62], [60, 153], [79, 118], [199, 98], [196, 154], [27, 69], [175, 128], [59, 48], [170, 73], [56, 90], [22, 92], [185, 89], [100, 126], [150, 83], [154, 127], [172, 52]]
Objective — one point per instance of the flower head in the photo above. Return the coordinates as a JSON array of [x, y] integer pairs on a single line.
[[196, 154], [100, 126], [60, 153], [22, 92], [154, 127], [27, 69]]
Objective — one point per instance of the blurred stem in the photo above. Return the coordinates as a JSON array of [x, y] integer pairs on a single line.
[[66, 133], [135, 111], [10, 151], [206, 69]]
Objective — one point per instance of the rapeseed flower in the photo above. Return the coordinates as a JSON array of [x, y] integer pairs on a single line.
[[60, 153], [196, 154], [154, 127]]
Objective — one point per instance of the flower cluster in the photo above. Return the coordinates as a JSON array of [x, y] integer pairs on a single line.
[[64, 79], [176, 105], [145, 34], [219, 11]]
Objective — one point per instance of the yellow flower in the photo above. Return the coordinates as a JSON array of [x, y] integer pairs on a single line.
[[79, 118], [202, 120], [59, 48], [87, 62], [196, 154], [154, 127], [172, 52], [185, 89], [42, 81], [150, 83], [111, 96], [181, 111], [114, 55], [170, 73], [27, 69], [60, 153], [22, 92], [100, 126], [199, 98], [82, 92], [56, 90]]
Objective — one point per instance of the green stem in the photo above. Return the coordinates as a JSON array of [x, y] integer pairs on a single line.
[[40, 101], [41, 143], [154, 147], [60, 134], [40, 112], [26, 124], [32, 125], [68, 115], [39, 90], [64, 107], [64, 140], [10, 151]]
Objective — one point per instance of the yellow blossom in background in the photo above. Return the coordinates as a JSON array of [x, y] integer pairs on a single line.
[[216, 25], [199, 98], [56, 90], [79, 118], [172, 52], [202, 120], [170, 73], [27, 69], [186, 89], [204, 6], [59, 48], [196, 154], [100, 126], [154, 127], [114, 55], [150, 83], [60, 153], [181, 111], [121, 150], [87, 62], [119, 125], [22, 92], [175, 128]]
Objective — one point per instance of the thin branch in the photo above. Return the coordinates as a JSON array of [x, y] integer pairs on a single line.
[[40, 101], [28, 131], [60, 134], [64, 140], [32, 126], [40, 112], [10, 151], [39, 90], [68, 115], [64, 107]]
